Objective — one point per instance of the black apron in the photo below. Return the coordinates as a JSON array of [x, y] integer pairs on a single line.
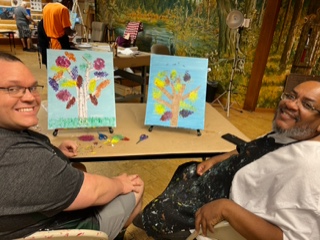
[[174, 209]]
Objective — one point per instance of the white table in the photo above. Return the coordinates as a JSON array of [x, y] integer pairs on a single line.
[[161, 143]]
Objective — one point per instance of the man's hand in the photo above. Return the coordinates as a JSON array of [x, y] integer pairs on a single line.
[[206, 165], [130, 183], [69, 148], [70, 32], [246, 223], [209, 215]]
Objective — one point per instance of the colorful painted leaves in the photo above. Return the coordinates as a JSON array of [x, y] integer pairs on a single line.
[[172, 100], [69, 77], [80, 89], [176, 95]]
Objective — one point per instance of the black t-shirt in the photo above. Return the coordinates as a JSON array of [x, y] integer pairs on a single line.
[[37, 184]]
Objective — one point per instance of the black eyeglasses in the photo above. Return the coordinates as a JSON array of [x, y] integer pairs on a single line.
[[20, 91], [304, 103]]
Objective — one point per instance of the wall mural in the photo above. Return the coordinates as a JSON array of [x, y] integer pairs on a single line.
[[198, 29]]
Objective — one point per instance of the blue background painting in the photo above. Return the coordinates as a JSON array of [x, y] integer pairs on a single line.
[[188, 76], [92, 72]]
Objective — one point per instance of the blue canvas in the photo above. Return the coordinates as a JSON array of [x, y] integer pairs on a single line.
[[80, 89], [177, 92], [73, 19]]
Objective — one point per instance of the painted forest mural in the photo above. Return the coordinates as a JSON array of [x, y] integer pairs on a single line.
[[197, 28]]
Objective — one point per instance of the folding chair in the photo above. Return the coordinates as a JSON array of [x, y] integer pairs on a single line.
[[130, 34], [222, 231], [133, 28], [98, 31], [160, 49]]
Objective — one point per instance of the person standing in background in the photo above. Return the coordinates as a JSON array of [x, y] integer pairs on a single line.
[[57, 24], [23, 19]]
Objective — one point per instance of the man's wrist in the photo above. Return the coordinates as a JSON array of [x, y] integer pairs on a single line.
[[228, 209]]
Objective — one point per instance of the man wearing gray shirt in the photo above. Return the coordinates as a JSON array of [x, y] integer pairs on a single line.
[[23, 20]]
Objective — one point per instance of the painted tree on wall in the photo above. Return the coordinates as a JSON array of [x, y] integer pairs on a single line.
[[107, 11], [198, 29], [298, 7], [223, 9], [308, 48]]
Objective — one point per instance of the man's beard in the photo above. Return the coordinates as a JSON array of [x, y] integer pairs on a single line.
[[302, 132]]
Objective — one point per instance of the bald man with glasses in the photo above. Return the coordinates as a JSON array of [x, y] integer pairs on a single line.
[[268, 188], [40, 189]]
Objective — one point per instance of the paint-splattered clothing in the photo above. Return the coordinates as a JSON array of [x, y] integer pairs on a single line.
[[175, 208]]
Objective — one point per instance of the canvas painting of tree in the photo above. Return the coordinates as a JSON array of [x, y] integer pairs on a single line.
[[177, 92], [80, 89]]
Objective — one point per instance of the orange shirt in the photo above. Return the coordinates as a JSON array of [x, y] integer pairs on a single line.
[[56, 18]]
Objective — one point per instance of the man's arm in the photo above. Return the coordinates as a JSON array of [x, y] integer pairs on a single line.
[[68, 31], [69, 148], [66, 23], [30, 19], [98, 190], [249, 225], [206, 165]]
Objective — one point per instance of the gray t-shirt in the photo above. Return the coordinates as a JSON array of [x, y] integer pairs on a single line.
[[21, 16], [37, 183]]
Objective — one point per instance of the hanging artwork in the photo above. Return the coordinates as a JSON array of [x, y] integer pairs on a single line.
[[36, 5], [80, 89], [177, 92], [6, 13]]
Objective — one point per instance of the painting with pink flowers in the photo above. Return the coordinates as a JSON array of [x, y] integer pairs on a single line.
[[80, 89]]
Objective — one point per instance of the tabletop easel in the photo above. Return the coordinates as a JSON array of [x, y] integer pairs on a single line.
[[55, 132], [198, 130]]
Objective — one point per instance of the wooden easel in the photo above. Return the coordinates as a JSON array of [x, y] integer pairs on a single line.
[[90, 17], [76, 9]]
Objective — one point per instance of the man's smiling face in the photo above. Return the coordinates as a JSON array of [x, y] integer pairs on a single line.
[[17, 113], [299, 117]]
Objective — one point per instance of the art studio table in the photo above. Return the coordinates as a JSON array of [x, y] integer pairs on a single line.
[[161, 143], [10, 34], [122, 61]]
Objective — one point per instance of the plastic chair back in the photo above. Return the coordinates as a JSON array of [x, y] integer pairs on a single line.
[[98, 31], [222, 231], [68, 234], [160, 49]]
